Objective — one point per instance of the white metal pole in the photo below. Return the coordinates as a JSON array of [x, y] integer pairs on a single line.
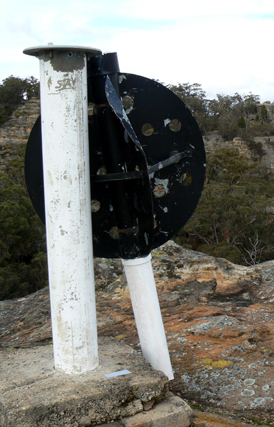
[[147, 313], [65, 147]]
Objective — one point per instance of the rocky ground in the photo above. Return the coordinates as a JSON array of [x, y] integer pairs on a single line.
[[219, 322]]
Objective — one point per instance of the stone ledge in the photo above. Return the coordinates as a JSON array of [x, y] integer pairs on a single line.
[[171, 412], [33, 393]]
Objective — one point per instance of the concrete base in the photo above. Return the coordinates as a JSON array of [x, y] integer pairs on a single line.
[[33, 393]]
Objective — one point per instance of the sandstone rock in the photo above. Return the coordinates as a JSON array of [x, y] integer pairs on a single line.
[[171, 412], [219, 320]]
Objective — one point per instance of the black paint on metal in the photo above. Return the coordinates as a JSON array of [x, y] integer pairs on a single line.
[[147, 162], [131, 200], [34, 170]]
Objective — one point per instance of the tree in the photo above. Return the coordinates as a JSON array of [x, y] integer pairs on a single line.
[[13, 92], [195, 99], [227, 125], [247, 107], [222, 113]]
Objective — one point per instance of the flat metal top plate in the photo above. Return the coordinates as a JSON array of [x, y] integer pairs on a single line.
[[37, 50]]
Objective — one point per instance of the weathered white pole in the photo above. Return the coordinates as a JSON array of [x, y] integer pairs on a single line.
[[65, 148], [147, 313]]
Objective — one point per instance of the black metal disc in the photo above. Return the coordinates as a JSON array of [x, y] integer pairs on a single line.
[[164, 127]]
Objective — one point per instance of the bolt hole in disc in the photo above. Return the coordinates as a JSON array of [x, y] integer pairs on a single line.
[[128, 103], [95, 206], [147, 129], [175, 125], [186, 179], [114, 233]]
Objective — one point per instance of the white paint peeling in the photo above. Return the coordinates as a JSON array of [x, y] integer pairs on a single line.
[[121, 78], [164, 232], [128, 110], [163, 182], [125, 117]]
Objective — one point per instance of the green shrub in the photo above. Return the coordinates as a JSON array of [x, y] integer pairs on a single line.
[[241, 122], [23, 261]]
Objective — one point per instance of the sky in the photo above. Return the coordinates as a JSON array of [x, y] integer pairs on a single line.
[[227, 47]]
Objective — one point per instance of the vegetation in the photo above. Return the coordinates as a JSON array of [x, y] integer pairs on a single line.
[[13, 92], [234, 218], [23, 261], [230, 115]]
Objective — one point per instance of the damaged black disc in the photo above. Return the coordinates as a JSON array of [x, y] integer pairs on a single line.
[[175, 155]]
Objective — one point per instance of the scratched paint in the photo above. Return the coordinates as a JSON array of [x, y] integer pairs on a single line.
[[121, 78], [163, 182]]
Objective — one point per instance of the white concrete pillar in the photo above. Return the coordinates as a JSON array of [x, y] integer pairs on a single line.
[[147, 313], [65, 147]]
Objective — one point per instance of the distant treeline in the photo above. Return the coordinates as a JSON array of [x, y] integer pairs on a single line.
[[231, 115]]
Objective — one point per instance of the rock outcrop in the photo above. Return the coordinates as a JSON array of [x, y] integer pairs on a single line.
[[219, 319], [213, 141], [16, 131]]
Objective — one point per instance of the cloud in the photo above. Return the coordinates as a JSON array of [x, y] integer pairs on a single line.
[[177, 9], [226, 47], [225, 56]]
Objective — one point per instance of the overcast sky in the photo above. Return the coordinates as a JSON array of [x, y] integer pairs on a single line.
[[227, 47]]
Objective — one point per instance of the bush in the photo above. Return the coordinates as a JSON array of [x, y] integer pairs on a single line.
[[241, 122], [264, 113], [23, 263]]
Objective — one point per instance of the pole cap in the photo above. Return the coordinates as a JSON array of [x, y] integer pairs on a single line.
[[38, 50]]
